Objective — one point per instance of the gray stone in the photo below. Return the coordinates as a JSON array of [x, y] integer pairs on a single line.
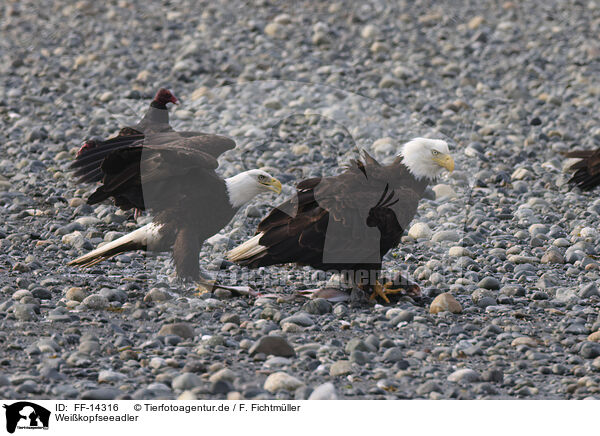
[[101, 394], [186, 381], [489, 283], [274, 345], [393, 355], [358, 344], [24, 312], [590, 350], [589, 290], [181, 329], [465, 374], [281, 381], [95, 302], [326, 391], [301, 318], [341, 367], [108, 376], [318, 306]]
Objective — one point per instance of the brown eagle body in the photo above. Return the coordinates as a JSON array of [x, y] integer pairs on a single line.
[[586, 171], [174, 177], [345, 223]]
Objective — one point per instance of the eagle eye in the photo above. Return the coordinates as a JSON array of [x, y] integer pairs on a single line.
[[262, 178], [435, 152]]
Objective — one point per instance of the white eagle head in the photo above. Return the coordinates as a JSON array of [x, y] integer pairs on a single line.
[[427, 158]]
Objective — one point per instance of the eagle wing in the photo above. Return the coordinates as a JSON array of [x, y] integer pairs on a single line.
[[144, 174], [351, 218], [587, 170]]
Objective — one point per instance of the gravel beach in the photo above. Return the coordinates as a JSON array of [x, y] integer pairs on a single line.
[[503, 242]]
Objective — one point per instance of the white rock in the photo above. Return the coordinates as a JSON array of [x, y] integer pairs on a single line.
[[444, 191], [108, 376], [300, 149], [458, 251], [157, 362], [72, 238], [275, 30], [465, 374], [88, 221], [445, 235], [186, 381], [520, 174], [280, 380], [95, 301], [588, 232], [326, 391], [369, 31], [187, 395], [419, 231], [282, 19]]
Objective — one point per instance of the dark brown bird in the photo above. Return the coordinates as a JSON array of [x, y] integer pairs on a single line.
[[88, 164], [347, 223], [155, 120], [587, 170]]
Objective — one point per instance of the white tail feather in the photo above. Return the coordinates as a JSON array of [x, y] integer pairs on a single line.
[[246, 250], [142, 237]]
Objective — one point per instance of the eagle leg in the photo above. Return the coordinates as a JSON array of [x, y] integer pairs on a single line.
[[387, 289], [204, 287]]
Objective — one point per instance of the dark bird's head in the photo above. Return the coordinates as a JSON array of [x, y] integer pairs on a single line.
[[245, 186], [87, 145], [427, 158], [164, 96]]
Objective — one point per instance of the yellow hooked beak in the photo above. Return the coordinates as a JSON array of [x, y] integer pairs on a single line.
[[445, 161], [273, 185]]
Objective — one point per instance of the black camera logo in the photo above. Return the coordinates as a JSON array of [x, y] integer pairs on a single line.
[[26, 415]]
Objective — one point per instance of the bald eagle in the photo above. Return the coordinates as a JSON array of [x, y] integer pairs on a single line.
[[347, 223], [174, 177], [587, 170]]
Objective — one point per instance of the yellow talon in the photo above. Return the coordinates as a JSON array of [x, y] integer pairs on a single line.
[[204, 288], [384, 291]]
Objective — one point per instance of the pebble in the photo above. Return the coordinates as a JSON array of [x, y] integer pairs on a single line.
[[95, 302], [524, 340], [181, 329], [465, 374], [157, 295], [224, 374], [100, 394], [326, 391], [552, 256], [420, 231], [186, 381], [24, 312], [272, 345], [489, 283], [445, 235], [301, 318], [444, 191], [281, 381], [341, 367], [108, 376], [445, 302]]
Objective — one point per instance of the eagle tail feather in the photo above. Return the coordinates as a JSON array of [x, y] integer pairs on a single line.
[[136, 240], [247, 250]]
